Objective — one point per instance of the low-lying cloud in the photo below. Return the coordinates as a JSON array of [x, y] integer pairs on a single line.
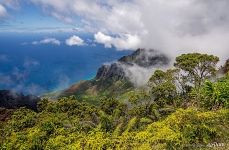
[[74, 41], [16, 80], [138, 75], [122, 42], [47, 41], [71, 41]]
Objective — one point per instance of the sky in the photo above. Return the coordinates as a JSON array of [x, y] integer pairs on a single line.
[[170, 26]]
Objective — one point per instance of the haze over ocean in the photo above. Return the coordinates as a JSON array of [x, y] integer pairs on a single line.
[[33, 67]]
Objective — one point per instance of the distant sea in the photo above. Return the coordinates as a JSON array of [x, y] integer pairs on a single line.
[[41, 68]]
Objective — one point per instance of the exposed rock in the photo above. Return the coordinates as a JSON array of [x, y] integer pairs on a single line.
[[110, 71], [145, 58], [141, 57]]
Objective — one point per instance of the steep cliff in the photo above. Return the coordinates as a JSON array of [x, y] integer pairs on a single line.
[[111, 79], [141, 57]]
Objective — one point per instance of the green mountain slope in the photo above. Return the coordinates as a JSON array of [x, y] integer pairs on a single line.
[[111, 79]]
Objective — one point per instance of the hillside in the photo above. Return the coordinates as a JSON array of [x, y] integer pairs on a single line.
[[112, 79]]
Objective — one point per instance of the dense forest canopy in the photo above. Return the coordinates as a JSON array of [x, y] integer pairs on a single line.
[[184, 107]]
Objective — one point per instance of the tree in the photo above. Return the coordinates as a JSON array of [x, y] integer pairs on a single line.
[[141, 102], [163, 87], [197, 67], [215, 95], [42, 104], [110, 105]]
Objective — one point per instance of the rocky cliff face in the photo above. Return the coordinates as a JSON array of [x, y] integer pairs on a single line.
[[141, 57], [145, 58], [12, 100], [110, 71], [112, 79]]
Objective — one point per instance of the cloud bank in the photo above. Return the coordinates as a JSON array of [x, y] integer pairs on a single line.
[[174, 26], [74, 41]]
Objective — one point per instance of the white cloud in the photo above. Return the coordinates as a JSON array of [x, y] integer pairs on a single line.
[[74, 7], [139, 76], [103, 39], [123, 42], [50, 40], [174, 26], [47, 41], [3, 11], [74, 40]]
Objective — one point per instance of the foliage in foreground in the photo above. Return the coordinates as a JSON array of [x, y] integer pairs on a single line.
[[61, 130]]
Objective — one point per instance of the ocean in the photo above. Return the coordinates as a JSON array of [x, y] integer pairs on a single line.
[[40, 68]]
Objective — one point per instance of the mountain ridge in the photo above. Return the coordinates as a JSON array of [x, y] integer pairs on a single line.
[[111, 79]]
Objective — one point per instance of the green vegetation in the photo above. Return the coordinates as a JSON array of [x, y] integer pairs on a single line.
[[92, 90], [185, 107]]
